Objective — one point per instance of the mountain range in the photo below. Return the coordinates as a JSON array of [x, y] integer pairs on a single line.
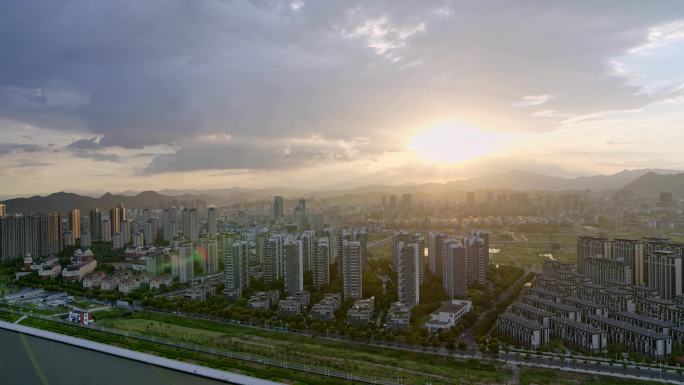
[[640, 182]]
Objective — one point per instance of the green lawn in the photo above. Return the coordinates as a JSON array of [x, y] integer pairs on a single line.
[[530, 376], [367, 360]]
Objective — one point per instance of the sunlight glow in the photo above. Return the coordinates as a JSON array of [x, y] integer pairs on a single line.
[[453, 143]]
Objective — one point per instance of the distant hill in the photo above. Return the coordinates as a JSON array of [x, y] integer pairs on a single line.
[[64, 202], [517, 180], [653, 183], [641, 182]]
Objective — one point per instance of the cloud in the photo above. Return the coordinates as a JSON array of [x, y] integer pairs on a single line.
[[533, 100], [86, 144], [131, 76], [230, 154], [6, 148]]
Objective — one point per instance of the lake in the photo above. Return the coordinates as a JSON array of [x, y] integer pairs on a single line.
[[28, 360]]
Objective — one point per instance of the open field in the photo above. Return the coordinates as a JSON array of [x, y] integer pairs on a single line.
[[530, 376], [371, 361]]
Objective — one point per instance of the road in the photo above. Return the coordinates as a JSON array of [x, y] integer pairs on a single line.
[[469, 335], [378, 243]]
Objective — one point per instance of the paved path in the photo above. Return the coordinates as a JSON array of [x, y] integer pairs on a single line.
[[20, 319]]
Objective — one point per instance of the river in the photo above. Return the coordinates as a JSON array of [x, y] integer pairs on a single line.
[[28, 360]]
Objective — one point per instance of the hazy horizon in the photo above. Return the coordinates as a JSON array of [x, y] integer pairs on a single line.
[[119, 96]]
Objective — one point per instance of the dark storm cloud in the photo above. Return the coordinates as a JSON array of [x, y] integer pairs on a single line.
[[138, 73]]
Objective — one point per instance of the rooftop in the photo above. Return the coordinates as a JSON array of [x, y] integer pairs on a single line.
[[578, 325], [522, 321]]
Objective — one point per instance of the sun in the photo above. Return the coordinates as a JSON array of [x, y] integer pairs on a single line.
[[457, 142]]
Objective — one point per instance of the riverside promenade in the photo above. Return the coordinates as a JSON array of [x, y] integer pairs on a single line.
[[232, 378]]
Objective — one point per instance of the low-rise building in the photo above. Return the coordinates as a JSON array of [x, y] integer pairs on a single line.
[[289, 307], [642, 321], [540, 316], [80, 317], [640, 340], [109, 283], [93, 280], [579, 334], [530, 334], [587, 307], [325, 309], [157, 282], [448, 315], [556, 308], [49, 272], [361, 313], [399, 316], [78, 270]]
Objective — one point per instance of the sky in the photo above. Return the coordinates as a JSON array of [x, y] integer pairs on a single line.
[[167, 94]]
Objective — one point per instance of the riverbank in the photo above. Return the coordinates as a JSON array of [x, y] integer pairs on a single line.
[[180, 366]]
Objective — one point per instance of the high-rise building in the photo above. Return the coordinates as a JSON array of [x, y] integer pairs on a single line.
[[75, 223], [455, 278], [147, 214], [278, 209], [126, 231], [208, 252], [85, 238], [96, 224], [190, 224], [170, 227], [273, 259], [116, 215], [186, 263], [409, 259], [300, 214], [333, 247], [106, 230], [307, 248], [150, 231], [435, 253], [3, 210], [236, 276], [477, 254], [613, 260], [352, 270], [294, 266], [260, 246], [30, 234], [665, 273], [409, 238], [211, 222], [321, 263]]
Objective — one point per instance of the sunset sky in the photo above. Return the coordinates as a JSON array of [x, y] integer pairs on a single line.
[[132, 95]]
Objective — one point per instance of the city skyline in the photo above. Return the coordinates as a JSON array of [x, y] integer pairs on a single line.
[[215, 95]]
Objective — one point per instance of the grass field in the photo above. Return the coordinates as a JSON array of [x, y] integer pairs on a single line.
[[532, 376], [413, 368]]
